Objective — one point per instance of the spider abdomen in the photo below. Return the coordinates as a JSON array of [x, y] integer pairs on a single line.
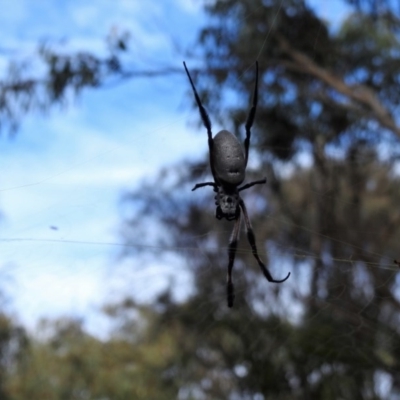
[[228, 159]]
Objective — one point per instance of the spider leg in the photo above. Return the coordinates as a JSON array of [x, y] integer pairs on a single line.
[[252, 241], [249, 185], [204, 117], [203, 112], [199, 185], [233, 241], [250, 118]]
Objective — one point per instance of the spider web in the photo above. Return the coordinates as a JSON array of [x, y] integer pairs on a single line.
[[49, 234]]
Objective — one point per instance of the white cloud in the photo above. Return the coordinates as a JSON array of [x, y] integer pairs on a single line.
[[86, 15], [46, 289], [190, 6]]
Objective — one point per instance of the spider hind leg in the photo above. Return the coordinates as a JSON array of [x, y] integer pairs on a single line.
[[252, 240], [233, 241]]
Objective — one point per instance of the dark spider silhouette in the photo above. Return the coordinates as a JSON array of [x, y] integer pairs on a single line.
[[228, 166]]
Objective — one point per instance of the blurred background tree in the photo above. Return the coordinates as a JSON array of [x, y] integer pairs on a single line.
[[327, 137]]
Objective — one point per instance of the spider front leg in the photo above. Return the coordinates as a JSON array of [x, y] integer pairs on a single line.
[[249, 185], [252, 240], [199, 185], [233, 241]]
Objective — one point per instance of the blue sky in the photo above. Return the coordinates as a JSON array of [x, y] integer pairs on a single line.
[[69, 168]]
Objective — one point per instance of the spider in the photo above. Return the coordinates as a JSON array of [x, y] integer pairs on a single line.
[[228, 167]]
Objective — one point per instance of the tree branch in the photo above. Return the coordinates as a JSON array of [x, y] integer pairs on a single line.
[[360, 94]]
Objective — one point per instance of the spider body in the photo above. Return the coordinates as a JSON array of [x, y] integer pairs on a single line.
[[228, 161], [229, 172]]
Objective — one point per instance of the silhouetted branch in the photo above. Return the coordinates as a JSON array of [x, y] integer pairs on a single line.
[[359, 94]]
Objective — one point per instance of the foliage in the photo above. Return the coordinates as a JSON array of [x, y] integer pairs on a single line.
[[54, 75], [14, 343], [69, 363]]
